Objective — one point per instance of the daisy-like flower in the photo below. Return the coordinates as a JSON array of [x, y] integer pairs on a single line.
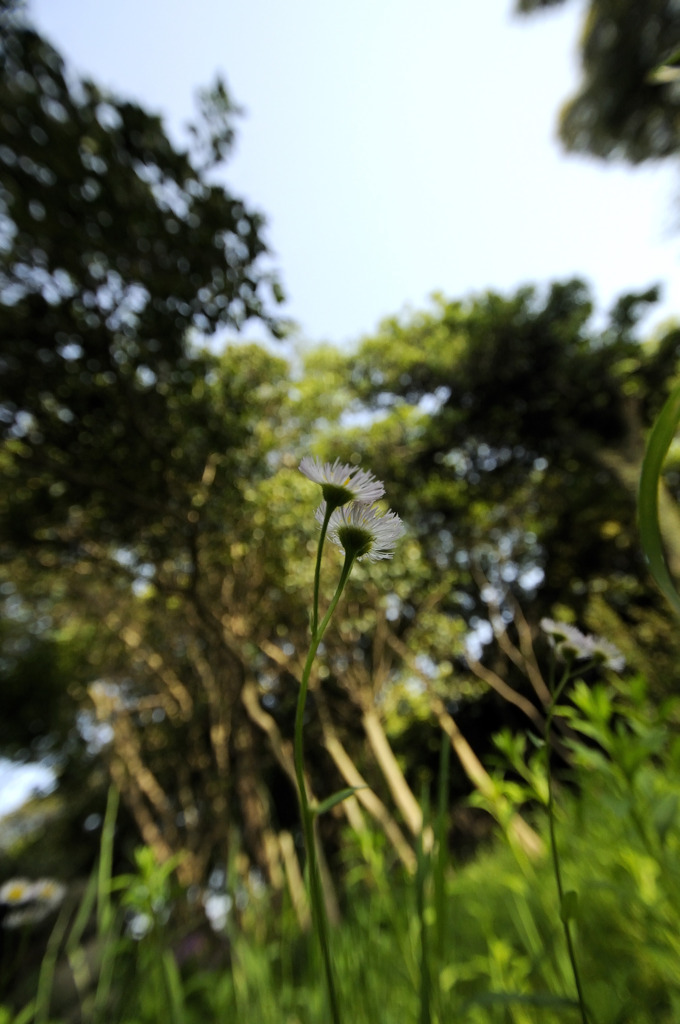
[[29, 902], [15, 892], [341, 483], [362, 530], [607, 653], [568, 639]]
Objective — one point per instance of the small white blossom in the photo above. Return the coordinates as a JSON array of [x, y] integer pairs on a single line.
[[607, 653], [342, 483], [15, 892], [568, 639], [361, 529], [30, 902]]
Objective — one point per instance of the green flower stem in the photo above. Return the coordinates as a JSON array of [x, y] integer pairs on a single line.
[[557, 868], [316, 893], [317, 572]]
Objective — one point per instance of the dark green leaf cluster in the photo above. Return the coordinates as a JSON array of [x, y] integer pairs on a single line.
[[624, 108], [115, 250]]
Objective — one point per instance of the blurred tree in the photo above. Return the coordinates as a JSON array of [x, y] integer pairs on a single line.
[[114, 248], [513, 432], [118, 254], [624, 109], [137, 518]]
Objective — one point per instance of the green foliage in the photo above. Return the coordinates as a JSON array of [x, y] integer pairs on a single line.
[[493, 949], [119, 253], [36, 671], [513, 433], [116, 248], [623, 108], [210, 595], [618, 835]]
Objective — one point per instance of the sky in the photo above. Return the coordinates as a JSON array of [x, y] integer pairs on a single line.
[[397, 148], [19, 782]]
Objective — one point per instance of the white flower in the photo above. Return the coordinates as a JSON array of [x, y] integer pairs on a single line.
[[607, 653], [568, 639], [361, 529], [341, 483], [48, 892], [15, 892], [30, 902]]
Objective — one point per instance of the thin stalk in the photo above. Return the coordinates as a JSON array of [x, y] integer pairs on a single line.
[[424, 864], [316, 894], [47, 969], [441, 861], [104, 908], [317, 570], [557, 868]]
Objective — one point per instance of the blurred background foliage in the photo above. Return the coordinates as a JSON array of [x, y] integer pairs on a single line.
[[157, 541], [625, 108]]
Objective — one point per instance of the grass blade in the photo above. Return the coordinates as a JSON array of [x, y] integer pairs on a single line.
[[422, 871], [659, 442]]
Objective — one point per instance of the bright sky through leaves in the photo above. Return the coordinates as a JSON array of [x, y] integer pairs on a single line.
[[397, 148]]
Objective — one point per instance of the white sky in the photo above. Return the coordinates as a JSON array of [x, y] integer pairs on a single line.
[[20, 782], [397, 147]]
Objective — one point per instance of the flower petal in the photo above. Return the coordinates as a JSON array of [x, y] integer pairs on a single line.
[[357, 484], [361, 528]]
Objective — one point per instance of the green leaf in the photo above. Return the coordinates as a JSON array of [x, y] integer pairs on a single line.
[[336, 798], [667, 71], [659, 442], [673, 60]]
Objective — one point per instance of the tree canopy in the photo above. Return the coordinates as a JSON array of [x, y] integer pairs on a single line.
[[514, 432], [115, 249], [623, 108]]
